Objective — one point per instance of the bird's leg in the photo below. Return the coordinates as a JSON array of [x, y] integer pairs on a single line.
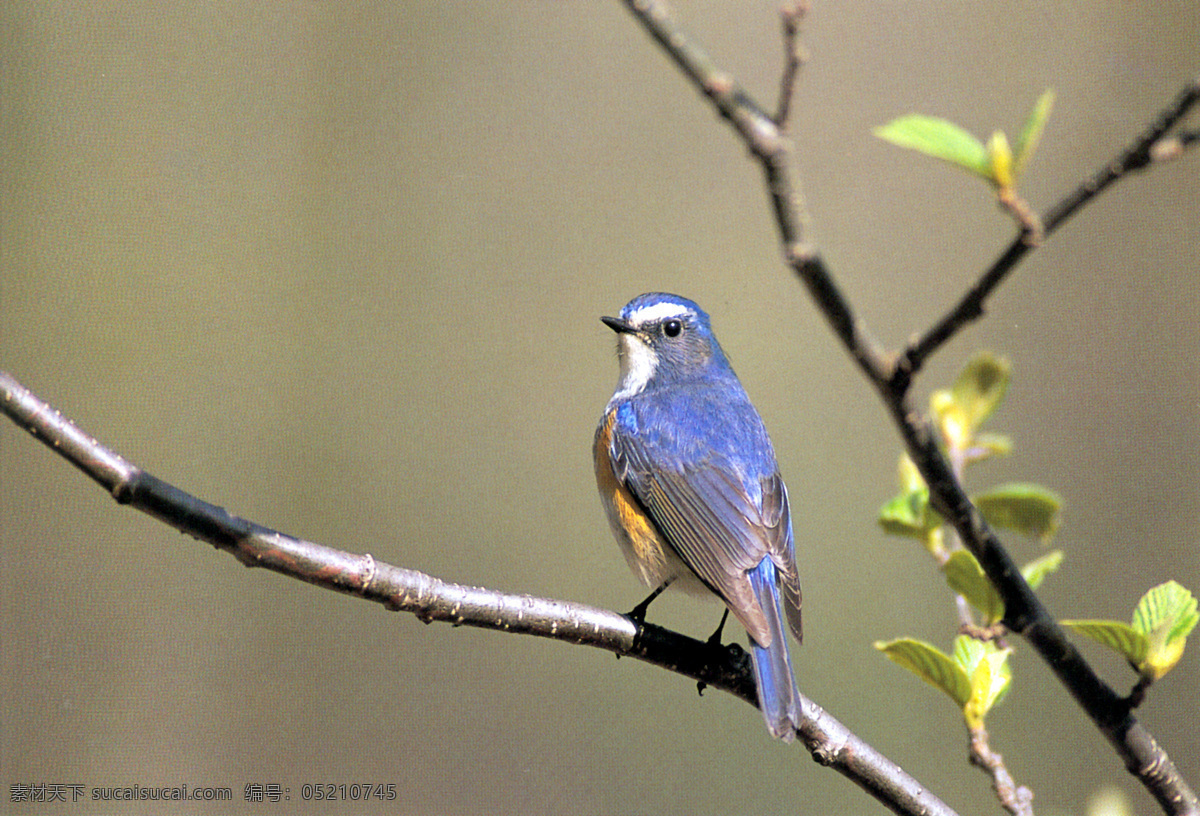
[[715, 638], [638, 613], [713, 643]]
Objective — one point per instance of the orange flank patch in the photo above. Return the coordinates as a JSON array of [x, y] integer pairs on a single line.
[[635, 532]]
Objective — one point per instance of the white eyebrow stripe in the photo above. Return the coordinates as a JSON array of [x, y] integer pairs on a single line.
[[658, 311]]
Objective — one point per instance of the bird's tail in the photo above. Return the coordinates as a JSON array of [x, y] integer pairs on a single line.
[[777, 694]]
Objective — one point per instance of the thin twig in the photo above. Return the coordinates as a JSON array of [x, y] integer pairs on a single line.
[[431, 599], [1016, 799], [1028, 221], [794, 57]]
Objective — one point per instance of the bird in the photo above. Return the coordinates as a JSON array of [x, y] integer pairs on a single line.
[[689, 481]]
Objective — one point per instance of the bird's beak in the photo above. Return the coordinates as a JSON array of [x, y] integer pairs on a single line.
[[618, 325]]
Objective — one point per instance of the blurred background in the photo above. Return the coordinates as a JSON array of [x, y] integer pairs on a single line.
[[338, 267]]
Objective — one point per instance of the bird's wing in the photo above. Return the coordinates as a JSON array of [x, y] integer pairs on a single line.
[[720, 523]]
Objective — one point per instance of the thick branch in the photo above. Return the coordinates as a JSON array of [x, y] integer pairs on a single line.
[[891, 376], [431, 599]]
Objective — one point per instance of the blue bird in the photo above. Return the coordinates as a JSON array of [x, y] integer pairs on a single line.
[[689, 480]]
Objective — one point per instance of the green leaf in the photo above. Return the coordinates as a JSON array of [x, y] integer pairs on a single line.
[[1162, 620], [966, 577], [1036, 571], [904, 514], [968, 652], [1027, 141], [1030, 509], [909, 515], [931, 665], [937, 138], [1167, 604], [989, 675], [1165, 616], [1120, 637]]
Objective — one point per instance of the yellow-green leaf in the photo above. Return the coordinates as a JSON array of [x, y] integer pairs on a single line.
[[990, 676], [951, 419], [981, 385], [1167, 604], [1032, 131], [910, 478], [968, 652], [977, 392], [931, 665], [1120, 637], [1029, 509], [1153, 644], [906, 514], [1161, 657], [1165, 616], [937, 138], [1000, 161], [966, 577], [1036, 571], [900, 515]]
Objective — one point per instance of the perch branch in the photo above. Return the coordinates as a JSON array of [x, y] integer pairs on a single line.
[[431, 599]]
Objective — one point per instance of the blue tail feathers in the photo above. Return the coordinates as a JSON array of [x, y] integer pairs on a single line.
[[777, 694]]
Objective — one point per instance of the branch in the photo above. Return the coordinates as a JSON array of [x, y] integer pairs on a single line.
[[1151, 147], [891, 376], [431, 599], [1026, 615], [794, 57], [1016, 799], [771, 147]]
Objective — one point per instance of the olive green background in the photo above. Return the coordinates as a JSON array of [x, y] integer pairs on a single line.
[[338, 267]]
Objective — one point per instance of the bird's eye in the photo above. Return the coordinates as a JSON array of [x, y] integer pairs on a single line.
[[672, 328]]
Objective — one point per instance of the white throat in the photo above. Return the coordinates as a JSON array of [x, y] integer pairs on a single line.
[[638, 363]]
